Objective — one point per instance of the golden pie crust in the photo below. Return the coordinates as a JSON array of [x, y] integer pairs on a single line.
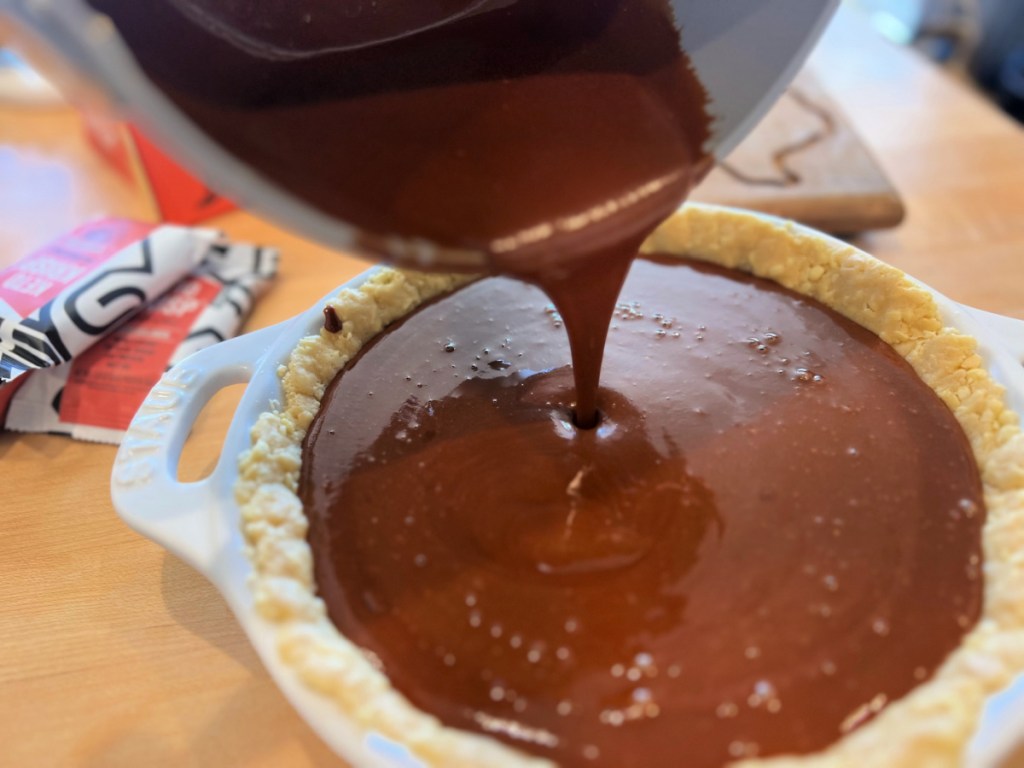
[[930, 726]]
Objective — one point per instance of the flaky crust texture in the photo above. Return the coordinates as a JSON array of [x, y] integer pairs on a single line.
[[928, 727]]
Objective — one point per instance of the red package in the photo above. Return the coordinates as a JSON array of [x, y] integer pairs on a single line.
[[178, 196], [57, 301], [94, 396]]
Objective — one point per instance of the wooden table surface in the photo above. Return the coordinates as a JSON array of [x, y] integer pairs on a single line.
[[114, 653]]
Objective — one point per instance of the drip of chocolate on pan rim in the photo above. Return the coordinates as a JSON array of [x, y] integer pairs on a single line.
[[332, 323]]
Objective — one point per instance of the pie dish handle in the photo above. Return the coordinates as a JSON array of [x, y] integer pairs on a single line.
[[144, 485]]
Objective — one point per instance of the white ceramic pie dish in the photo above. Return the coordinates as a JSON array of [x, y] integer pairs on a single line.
[[200, 522]]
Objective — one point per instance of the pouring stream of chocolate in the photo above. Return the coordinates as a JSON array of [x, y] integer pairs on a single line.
[[552, 137]]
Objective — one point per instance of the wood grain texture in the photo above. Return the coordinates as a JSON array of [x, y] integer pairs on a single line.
[[805, 162], [114, 653]]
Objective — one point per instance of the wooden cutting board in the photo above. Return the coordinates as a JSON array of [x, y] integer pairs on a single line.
[[804, 161]]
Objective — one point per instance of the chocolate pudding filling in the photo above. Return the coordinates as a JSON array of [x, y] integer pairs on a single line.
[[773, 531]]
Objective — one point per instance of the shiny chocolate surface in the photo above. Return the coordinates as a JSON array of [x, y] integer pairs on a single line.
[[773, 531]]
